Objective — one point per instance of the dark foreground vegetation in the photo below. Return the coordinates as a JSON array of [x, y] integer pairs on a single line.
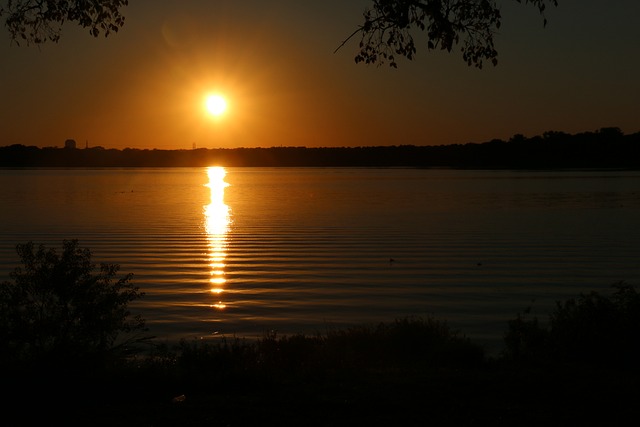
[[579, 366], [605, 148]]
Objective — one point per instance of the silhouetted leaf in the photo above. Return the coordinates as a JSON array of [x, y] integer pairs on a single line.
[[388, 26]]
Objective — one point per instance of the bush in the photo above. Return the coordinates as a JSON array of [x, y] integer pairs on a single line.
[[58, 309], [593, 329]]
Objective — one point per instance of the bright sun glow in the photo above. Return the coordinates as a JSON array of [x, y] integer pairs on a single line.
[[216, 104]]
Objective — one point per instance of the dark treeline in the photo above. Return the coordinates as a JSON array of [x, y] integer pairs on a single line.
[[604, 148]]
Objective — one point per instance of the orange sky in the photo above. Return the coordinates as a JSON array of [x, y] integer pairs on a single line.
[[144, 87]]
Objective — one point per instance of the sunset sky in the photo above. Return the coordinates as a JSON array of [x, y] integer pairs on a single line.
[[275, 64]]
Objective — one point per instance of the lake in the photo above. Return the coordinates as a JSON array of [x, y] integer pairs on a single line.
[[244, 251]]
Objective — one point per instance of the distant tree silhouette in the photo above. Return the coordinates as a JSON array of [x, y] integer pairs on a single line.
[[387, 31], [604, 148], [37, 21], [57, 309]]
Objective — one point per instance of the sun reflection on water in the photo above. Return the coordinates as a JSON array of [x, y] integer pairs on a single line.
[[217, 222]]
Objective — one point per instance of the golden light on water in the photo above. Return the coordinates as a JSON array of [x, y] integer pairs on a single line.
[[217, 221]]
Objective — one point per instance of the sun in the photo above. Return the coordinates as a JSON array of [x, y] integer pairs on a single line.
[[216, 104]]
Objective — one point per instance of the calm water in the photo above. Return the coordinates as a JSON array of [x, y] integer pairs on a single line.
[[305, 249]]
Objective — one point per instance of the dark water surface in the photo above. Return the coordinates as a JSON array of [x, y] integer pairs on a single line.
[[305, 249]]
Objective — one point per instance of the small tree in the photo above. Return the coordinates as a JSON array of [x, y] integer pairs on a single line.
[[58, 308]]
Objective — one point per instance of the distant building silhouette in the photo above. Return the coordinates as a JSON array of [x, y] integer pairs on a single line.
[[70, 143]]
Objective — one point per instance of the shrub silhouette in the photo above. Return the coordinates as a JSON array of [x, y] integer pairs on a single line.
[[58, 309], [593, 328], [396, 351]]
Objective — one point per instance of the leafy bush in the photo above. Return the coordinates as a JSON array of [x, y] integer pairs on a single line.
[[57, 308], [593, 329]]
